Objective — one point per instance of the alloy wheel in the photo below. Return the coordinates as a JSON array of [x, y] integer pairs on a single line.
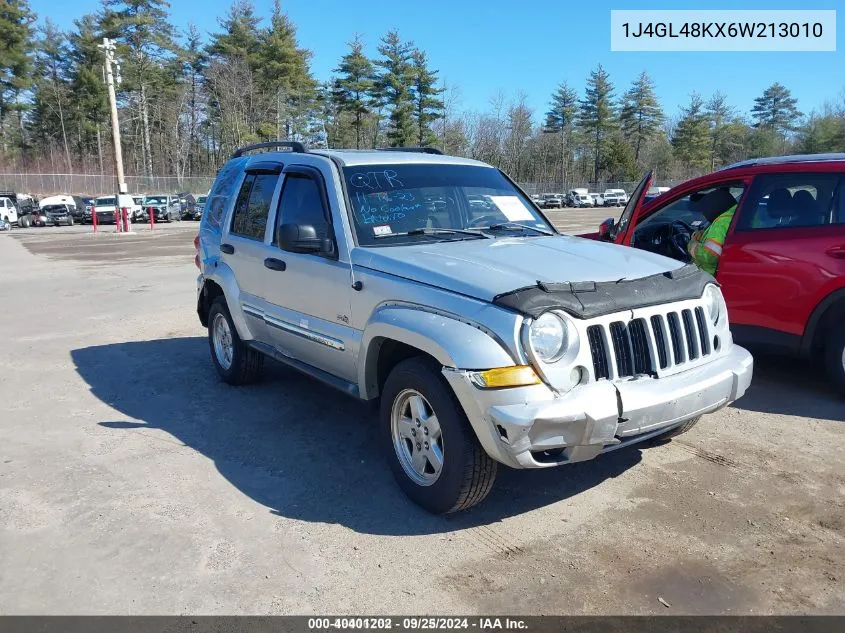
[[417, 438]]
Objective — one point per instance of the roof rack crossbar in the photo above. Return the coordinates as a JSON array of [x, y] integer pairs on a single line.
[[295, 146], [417, 150]]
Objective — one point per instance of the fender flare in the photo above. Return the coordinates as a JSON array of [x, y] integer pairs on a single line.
[[819, 312], [224, 277], [454, 342]]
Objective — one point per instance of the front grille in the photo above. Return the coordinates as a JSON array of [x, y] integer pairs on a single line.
[[643, 346]]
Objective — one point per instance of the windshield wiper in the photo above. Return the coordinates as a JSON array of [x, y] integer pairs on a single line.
[[513, 225], [431, 231]]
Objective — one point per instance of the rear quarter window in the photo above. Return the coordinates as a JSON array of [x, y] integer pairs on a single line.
[[221, 193]]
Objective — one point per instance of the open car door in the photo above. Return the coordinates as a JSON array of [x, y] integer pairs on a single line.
[[611, 231]]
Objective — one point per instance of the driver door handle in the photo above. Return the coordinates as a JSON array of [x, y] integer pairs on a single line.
[[227, 248], [837, 251], [274, 264]]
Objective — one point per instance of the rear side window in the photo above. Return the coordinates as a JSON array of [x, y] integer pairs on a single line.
[[301, 203], [794, 200], [253, 206], [222, 192]]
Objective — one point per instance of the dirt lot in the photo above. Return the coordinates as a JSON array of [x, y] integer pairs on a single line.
[[132, 481]]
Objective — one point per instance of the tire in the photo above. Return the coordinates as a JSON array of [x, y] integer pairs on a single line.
[[245, 364], [70, 221], [679, 430], [466, 474], [23, 222], [834, 360]]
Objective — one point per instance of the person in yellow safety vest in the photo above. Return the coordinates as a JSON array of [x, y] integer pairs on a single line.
[[705, 246]]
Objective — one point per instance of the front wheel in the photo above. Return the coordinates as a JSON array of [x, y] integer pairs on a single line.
[[429, 443], [835, 360], [236, 362]]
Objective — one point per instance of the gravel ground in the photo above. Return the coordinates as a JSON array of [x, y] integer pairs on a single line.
[[132, 481]]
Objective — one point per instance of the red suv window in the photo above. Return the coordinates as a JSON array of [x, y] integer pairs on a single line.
[[793, 200]]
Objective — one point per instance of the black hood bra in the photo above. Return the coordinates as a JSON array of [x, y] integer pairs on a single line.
[[588, 299]]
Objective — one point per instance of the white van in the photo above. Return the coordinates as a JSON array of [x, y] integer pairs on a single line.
[[104, 207]]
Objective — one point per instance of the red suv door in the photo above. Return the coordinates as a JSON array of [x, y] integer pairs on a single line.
[[784, 254]]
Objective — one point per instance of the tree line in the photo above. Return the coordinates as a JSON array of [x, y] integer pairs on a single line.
[[187, 100]]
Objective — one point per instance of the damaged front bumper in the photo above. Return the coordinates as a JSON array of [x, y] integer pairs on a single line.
[[532, 427]]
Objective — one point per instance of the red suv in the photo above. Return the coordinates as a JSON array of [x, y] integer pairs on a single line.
[[782, 267]]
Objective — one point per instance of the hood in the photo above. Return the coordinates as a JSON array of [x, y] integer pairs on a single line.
[[487, 268]]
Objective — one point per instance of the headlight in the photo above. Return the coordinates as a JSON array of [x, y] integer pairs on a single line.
[[714, 303], [548, 337]]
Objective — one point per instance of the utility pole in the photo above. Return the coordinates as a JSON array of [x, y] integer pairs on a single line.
[[108, 47]]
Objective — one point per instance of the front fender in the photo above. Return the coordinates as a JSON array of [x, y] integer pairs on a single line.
[[224, 277], [452, 341]]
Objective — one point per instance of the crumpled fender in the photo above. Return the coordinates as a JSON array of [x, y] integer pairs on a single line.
[[453, 342]]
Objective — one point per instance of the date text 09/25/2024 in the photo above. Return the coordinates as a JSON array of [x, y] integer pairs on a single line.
[[429, 623]]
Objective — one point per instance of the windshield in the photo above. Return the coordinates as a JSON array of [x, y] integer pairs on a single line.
[[54, 207], [388, 201], [155, 200], [104, 202]]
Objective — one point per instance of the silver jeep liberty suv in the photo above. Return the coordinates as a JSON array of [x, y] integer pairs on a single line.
[[435, 285]]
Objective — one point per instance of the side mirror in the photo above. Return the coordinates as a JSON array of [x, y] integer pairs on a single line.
[[606, 229], [303, 238]]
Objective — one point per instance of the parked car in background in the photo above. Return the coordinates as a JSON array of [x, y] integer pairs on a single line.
[[199, 207], [552, 201], [164, 207], [598, 199], [58, 214], [58, 209], [138, 203], [187, 205], [615, 197], [106, 207], [537, 199], [782, 264], [317, 259], [579, 198]]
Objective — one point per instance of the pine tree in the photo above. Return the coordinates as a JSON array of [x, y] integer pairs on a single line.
[[393, 88], [239, 37], [560, 120], [641, 116], [352, 91], [145, 41], [16, 35], [691, 140], [50, 90], [776, 108], [561, 113], [597, 115], [428, 107], [88, 96], [724, 140], [284, 77]]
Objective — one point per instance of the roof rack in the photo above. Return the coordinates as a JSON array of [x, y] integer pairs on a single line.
[[417, 150], [782, 160], [295, 146]]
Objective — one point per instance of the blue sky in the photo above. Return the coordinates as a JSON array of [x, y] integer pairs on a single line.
[[488, 46]]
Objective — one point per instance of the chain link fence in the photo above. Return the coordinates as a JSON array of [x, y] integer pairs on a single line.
[[593, 187], [100, 184]]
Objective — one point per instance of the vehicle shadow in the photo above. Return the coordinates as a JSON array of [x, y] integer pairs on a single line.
[[297, 446], [791, 386]]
